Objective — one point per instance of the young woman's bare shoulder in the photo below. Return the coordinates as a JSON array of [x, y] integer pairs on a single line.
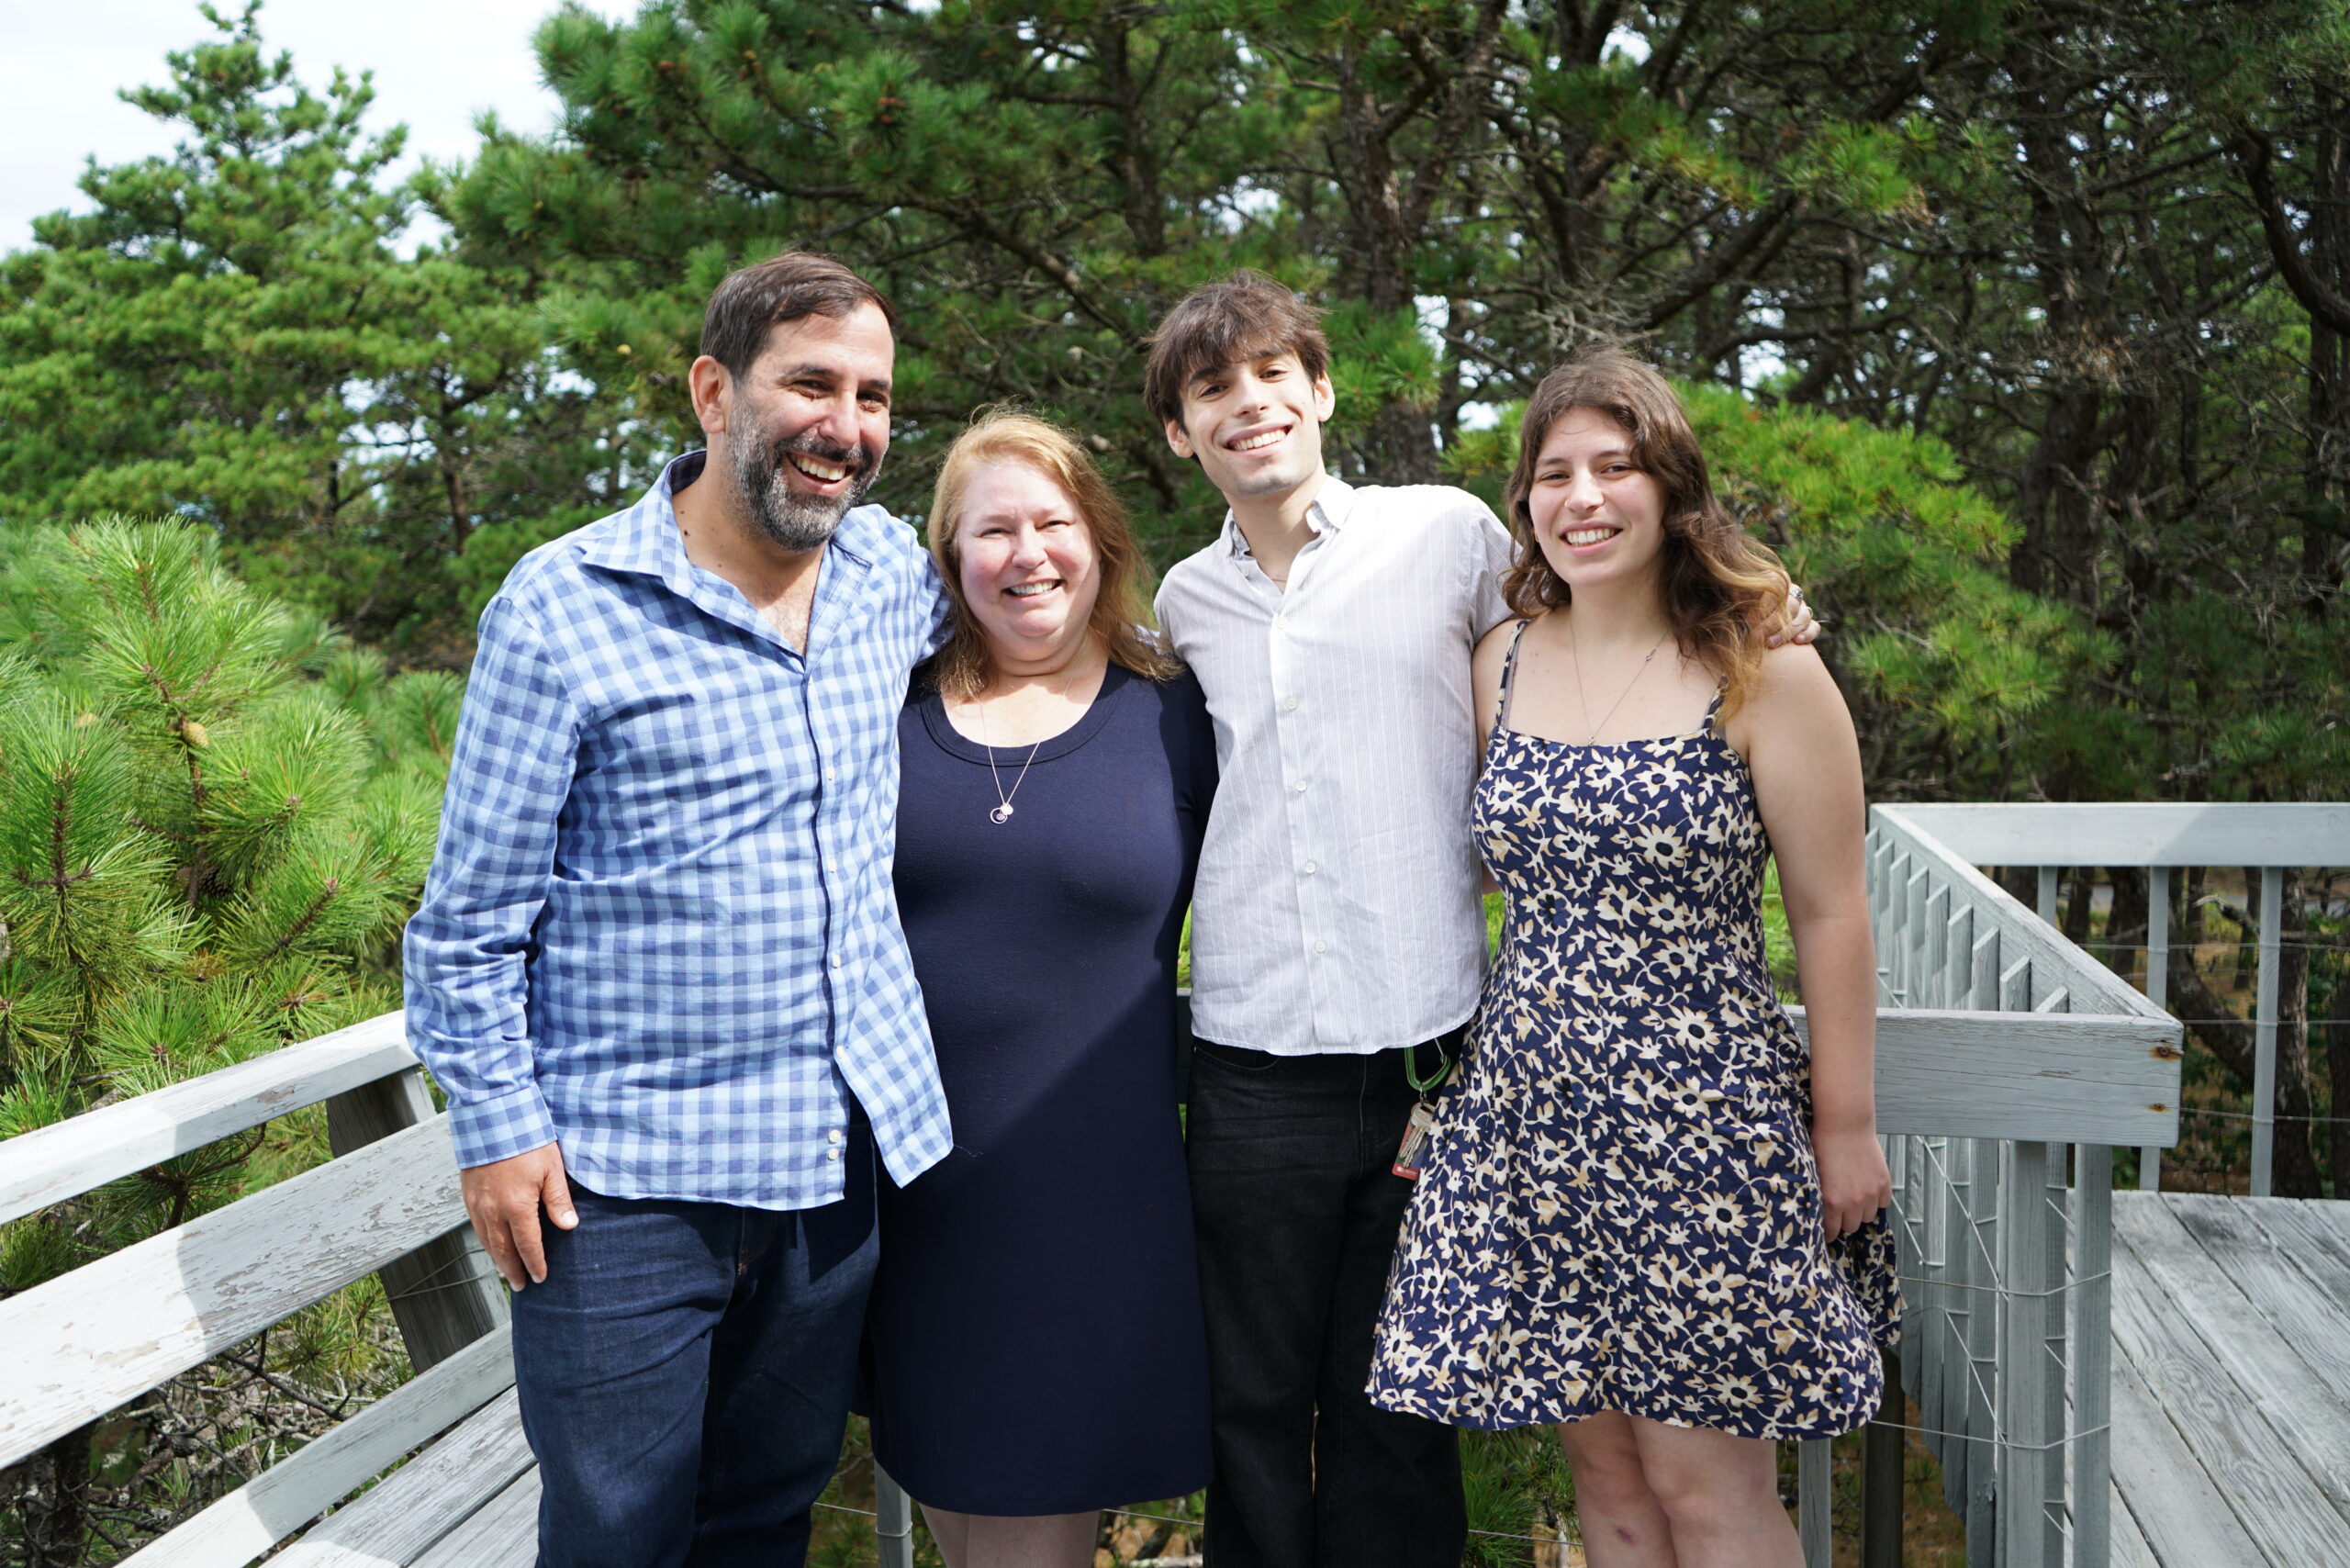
[[1794, 672], [1494, 646]]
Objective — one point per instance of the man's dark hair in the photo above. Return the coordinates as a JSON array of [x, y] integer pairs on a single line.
[[752, 299], [1246, 317]]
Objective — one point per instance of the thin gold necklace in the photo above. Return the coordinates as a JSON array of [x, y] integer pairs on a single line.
[[1575, 645]]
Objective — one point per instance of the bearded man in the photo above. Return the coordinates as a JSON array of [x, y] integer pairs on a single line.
[[658, 968]]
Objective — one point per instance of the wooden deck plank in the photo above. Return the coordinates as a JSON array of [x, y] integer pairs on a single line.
[[2270, 1249], [2315, 1234], [2177, 1508], [2206, 1289], [2274, 1498], [2129, 1544], [503, 1533], [423, 1500]]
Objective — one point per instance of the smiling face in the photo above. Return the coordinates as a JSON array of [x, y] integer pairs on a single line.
[[1026, 563], [1597, 516], [1255, 426], [807, 426]]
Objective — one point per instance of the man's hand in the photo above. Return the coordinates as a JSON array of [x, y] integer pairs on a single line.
[[1795, 622], [504, 1198]]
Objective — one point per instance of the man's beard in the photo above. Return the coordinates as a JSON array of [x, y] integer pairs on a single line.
[[793, 519]]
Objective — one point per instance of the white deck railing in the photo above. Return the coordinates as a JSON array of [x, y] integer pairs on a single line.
[[2001, 1139]]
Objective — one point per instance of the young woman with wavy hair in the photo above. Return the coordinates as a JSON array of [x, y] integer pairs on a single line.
[[1651, 1216]]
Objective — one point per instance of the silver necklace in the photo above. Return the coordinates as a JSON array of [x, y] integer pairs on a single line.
[[1001, 810], [1575, 645]]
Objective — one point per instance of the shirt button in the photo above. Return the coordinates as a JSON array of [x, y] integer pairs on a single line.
[[837, 960], [1291, 703], [831, 1154], [833, 1137], [1299, 786], [1309, 867], [1280, 621], [1321, 947]]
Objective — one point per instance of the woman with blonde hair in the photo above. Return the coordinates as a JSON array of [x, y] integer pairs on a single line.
[[1035, 1338], [1649, 1215]]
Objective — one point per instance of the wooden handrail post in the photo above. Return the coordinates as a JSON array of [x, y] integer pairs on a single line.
[[445, 1294]]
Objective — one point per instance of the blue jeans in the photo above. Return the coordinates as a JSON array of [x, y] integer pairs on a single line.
[[685, 1374]]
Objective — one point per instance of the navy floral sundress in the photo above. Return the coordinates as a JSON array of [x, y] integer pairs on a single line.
[[1620, 1210]]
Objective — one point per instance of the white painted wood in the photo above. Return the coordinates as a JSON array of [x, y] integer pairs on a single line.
[[2271, 1495], [2024, 1371], [2263, 1036], [298, 1488], [423, 1501], [84, 1342], [2093, 1348], [2150, 1158], [2137, 833], [1814, 1498], [2074, 1077], [2095, 988], [58, 1162], [2178, 1508], [2193, 1268], [503, 1533], [2045, 906], [1983, 1377]]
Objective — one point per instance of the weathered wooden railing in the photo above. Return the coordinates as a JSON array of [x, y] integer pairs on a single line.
[[2047, 1061], [2165, 839]]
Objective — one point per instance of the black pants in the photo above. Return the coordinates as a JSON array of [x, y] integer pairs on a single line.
[[1297, 1214]]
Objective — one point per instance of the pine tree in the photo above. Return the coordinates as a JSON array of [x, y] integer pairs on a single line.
[[213, 815]]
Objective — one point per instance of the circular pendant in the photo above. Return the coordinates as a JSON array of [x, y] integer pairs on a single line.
[[1001, 814]]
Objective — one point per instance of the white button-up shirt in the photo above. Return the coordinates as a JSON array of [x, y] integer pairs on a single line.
[[1336, 908]]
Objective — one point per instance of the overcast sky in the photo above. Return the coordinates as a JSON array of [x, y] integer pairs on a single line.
[[437, 63]]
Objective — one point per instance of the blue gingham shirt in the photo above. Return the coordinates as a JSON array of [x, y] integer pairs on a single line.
[[659, 929]]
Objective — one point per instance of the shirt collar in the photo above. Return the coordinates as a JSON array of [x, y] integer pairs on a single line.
[[1332, 505], [644, 539]]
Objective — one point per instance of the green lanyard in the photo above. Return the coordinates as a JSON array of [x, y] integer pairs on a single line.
[[1434, 1080]]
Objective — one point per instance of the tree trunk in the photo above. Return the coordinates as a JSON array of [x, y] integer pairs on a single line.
[[56, 1517], [2296, 1171], [2125, 927]]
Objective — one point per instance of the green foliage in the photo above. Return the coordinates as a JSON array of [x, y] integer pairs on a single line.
[[234, 338], [212, 821]]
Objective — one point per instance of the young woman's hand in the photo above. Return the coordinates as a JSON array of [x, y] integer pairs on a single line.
[[1854, 1182]]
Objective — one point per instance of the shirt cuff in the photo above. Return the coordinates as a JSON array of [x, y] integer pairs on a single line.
[[501, 1127]]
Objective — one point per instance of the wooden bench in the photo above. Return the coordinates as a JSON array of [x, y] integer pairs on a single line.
[[388, 1204], [85, 1343]]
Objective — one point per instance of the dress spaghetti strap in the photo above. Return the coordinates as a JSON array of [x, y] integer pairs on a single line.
[[1509, 671]]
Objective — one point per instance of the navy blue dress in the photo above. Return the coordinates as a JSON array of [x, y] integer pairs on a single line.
[[1036, 1344]]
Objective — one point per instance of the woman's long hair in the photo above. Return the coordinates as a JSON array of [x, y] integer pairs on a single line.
[[1720, 586], [1121, 610]]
